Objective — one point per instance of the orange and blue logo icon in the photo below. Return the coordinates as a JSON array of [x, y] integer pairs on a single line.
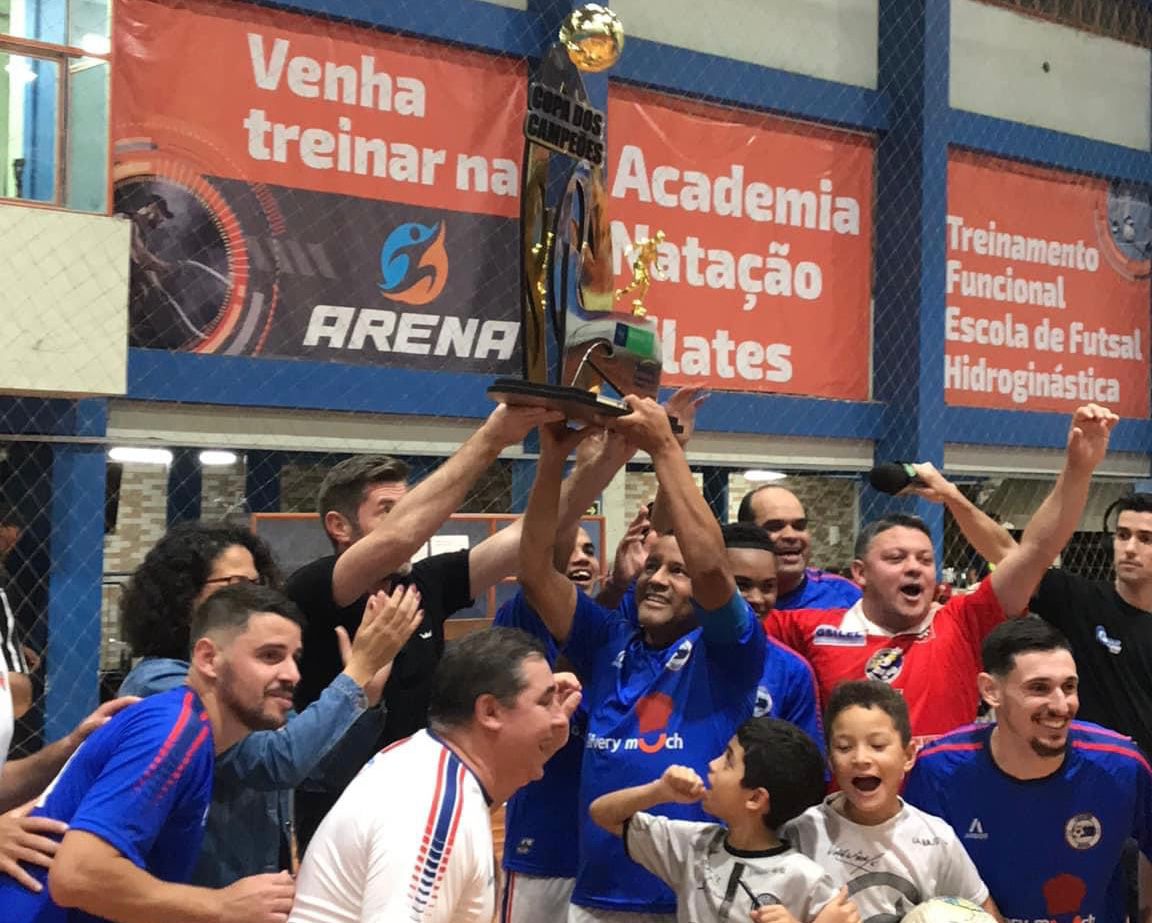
[[414, 263]]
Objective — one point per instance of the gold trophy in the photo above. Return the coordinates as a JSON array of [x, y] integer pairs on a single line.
[[575, 340]]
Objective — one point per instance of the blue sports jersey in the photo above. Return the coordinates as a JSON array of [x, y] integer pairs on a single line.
[[788, 689], [820, 590], [142, 783], [1048, 849], [541, 824], [647, 710]]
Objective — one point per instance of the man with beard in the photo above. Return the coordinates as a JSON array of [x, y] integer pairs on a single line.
[[1042, 803], [898, 635], [671, 688], [136, 793]]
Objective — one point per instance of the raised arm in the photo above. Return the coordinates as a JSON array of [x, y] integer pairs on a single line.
[[693, 522], [1052, 525], [548, 592], [597, 460], [679, 784], [990, 539], [283, 759], [422, 511]]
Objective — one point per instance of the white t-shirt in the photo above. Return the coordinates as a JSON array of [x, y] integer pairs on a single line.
[[891, 867], [410, 839], [712, 881]]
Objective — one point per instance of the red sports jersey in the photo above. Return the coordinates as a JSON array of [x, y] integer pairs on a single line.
[[934, 664]]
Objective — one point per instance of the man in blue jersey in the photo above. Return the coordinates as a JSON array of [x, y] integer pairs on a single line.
[[782, 515], [669, 690], [136, 793], [1042, 803]]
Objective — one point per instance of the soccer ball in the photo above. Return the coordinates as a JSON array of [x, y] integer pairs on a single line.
[[948, 910]]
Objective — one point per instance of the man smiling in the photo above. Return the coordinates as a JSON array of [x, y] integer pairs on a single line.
[[898, 635], [1073, 792]]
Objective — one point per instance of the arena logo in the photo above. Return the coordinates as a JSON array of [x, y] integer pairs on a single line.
[[414, 263], [653, 713]]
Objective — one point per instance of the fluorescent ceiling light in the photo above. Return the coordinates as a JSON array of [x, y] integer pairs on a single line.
[[759, 474], [140, 456], [94, 43], [216, 457]]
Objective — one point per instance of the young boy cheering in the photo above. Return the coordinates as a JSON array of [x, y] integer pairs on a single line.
[[890, 855], [769, 772]]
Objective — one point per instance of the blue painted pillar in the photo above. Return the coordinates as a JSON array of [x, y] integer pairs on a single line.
[[185, 479], [76, 547], [262, 481], [911, 208]]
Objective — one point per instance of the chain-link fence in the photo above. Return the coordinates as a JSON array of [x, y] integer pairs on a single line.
[[866, 256]]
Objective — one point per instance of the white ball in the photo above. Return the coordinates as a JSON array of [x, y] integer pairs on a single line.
[[948, 910]]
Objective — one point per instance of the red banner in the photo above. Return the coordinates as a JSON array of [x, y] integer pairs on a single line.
[[768, 243], [1047, 282]]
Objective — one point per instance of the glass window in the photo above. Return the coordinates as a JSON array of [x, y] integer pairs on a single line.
[[29, 131], [42, 20], [87, 176]]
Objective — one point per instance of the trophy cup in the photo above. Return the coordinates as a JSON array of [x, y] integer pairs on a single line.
[[575, 340]]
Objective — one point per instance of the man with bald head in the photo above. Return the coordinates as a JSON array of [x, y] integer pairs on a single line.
[[780, 512]]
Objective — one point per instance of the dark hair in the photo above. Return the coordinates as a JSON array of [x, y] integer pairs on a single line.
[[783, 760], [747, 535], [869, 693], [485, 662], [883, 524], [232, 606], [156, 607], [343, 487], [1019, 636], [1135, 503]]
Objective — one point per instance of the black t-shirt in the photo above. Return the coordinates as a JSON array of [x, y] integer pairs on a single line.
[[443, 582], [1112, 644]]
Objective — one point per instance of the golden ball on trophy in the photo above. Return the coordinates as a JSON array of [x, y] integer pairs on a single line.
[[593, 36]]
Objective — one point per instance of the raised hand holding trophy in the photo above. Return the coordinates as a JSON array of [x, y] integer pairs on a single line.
[[575, 340]]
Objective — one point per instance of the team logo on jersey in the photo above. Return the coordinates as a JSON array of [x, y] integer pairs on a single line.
[[1064, 897], [832, 636], [1114, 646], [525, 846], [885, 665], [763, 704], [1082, 831], [652, 714], [683, 652], [618, 660], [976, 830]]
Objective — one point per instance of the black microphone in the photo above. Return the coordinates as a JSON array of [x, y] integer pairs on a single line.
[[893, 477]]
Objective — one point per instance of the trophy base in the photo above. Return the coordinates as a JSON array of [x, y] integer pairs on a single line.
[[574, 403]]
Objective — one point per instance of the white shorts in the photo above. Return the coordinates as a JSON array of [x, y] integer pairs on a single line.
[[578, 914], [535, 898]]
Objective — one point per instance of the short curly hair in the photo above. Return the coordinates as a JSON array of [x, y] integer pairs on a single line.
[[156, 607]]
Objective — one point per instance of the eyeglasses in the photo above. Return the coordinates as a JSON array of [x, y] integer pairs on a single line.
[[236, 578]]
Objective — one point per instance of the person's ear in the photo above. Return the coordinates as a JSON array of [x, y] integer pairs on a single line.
[[488, 712], [206, 658]]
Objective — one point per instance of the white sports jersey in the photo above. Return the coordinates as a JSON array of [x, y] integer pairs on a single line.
[[409, 840], [889, 868], [712, 881]]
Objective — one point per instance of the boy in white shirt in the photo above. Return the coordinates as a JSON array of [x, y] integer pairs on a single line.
[[889, 854], [738, 869]]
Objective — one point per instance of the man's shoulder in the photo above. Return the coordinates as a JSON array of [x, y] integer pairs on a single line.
[[963, 745], [1107, 748], [437, 566], [822, 590], [311, 574], [914, 823]]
